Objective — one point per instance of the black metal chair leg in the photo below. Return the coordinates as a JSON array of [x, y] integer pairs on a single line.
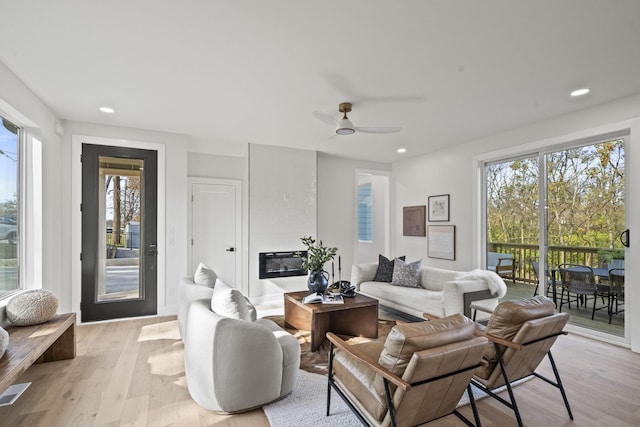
[[474, 408], [329, 378], [560, 386], [507, 383]]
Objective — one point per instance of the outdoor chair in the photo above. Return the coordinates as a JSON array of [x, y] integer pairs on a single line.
[[580, 281], [535, 264], [521, 334], [616, 280], [418, 375]]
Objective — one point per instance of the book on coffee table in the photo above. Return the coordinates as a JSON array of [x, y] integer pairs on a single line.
[[323, 299]]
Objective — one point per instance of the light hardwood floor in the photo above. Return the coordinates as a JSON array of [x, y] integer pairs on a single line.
[[130, 373]]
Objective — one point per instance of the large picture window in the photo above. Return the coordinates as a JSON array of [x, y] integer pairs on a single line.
[[9, 218]]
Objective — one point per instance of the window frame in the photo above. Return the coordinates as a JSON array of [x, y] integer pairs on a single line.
[[20, 207]]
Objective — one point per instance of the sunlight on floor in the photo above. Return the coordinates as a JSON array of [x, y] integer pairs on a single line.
[[160, 331]]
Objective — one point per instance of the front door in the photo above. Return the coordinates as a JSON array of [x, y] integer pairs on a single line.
[[119, 224]]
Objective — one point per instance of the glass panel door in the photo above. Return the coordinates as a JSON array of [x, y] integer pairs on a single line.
[[585, 219], [119, 223], [564, 206]]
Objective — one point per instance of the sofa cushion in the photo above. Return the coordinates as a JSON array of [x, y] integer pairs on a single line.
[[406, 274], [205, 275], [229, 302], [32, 307], [508, 317], [385, 269], [405, 339]]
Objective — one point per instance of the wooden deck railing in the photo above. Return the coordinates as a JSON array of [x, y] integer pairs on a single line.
[[556, 255]]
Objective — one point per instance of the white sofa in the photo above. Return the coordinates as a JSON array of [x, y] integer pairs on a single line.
[[441, 292]]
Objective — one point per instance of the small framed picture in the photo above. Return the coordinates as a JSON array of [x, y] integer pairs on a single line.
[[441, 242], [439, 208], [413, 221]]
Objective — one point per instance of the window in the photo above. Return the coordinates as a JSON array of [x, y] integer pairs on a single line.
[[365, 233], [9, 218]]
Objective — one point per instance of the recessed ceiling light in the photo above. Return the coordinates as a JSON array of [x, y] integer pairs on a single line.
[[107, 110], [580, 92], [401, 150]]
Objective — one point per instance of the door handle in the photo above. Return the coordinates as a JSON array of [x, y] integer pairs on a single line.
[[624, 238], [151, 249], [231, 249]]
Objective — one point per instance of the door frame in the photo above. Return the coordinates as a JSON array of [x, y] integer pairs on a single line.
[[237, 184], [76, 214], [599, 134]]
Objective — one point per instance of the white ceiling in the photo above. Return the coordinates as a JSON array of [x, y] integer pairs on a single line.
[[254, 70]]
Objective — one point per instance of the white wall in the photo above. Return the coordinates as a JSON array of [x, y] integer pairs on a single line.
[[454, 171], [282, 209], [20, 104], [337, 204]]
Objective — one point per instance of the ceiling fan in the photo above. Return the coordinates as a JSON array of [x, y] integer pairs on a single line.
[[344, 125]]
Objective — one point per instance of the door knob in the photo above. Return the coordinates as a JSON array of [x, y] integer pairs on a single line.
[[231, 249]]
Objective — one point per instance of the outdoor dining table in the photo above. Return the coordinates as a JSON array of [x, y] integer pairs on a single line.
[[602, 273]]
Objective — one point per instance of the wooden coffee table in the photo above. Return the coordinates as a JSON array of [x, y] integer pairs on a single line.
[[358, 316]]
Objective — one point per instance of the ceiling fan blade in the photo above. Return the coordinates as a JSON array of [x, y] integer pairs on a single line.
[[325, 118], [377, 129]]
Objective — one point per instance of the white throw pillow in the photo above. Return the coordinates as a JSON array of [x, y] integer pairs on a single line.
[[205, 276], [229, 302]]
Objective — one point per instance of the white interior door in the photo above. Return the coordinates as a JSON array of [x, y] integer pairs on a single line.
[[215, 227]]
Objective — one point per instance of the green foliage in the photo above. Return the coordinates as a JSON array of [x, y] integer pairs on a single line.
[[317, 254], [585, 197]]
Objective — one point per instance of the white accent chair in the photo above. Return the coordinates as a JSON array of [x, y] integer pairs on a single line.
[[188, 292], [234, 365]]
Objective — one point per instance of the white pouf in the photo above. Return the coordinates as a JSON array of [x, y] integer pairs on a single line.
[[4, 341], [32, 307]]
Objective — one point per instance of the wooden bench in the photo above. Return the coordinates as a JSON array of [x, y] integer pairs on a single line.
[[47, 342]]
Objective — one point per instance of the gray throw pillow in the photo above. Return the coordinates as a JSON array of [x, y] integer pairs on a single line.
[[385, 269], [406, 274], [32, 307]]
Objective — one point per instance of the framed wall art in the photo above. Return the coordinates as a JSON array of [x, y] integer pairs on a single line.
[[413, 221], [439, 208], [441, 242]]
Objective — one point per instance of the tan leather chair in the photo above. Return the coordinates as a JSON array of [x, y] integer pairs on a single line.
[[419, 374], [521, 334]]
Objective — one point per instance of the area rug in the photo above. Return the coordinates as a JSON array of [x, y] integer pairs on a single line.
[[307, 405]]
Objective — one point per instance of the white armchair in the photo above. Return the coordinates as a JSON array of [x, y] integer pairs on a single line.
[[234, 365], [188, 292]]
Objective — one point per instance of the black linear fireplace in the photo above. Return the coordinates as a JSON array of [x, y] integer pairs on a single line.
[[280, 264]]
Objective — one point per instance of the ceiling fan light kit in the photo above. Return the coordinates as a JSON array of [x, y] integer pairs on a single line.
[[344, 125]]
